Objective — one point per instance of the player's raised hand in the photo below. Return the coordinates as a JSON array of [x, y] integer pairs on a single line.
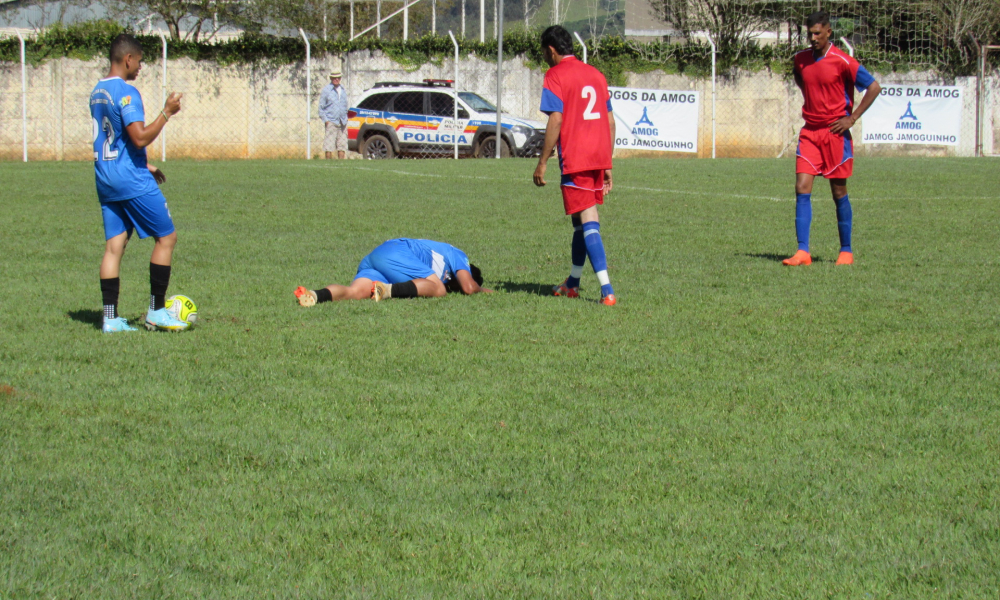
[[157, 174], [539, 176], [173, 104]]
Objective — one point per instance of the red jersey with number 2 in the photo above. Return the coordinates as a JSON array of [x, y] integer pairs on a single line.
[[580, 93]]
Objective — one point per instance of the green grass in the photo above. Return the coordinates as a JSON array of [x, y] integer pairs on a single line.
[[732, 429]]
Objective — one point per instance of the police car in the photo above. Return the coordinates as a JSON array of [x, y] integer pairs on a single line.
[[395, 118]]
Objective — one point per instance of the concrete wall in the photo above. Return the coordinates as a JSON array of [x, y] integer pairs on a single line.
[[259, 112]]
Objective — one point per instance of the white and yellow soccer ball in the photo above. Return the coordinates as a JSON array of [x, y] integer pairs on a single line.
[[182, 308]]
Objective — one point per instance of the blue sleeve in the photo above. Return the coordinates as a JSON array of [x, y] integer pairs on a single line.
[[550, 102], [609, 104], [459, 261], [863, 79], [131, 108]]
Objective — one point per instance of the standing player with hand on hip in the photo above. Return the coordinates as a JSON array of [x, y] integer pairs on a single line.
[[127, 185], [827, 78], [575, 96]]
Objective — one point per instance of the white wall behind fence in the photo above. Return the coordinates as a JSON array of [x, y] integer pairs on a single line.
[[259, 112]]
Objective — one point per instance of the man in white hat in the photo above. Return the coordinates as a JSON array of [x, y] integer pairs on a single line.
[[333, 111]]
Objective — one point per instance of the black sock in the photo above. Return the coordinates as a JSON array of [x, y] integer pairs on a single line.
[[109, 293], [407, 289], [159, 279], [323, 295]]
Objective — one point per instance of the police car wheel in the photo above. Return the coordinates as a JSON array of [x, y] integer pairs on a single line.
[[488, 149], [378, 147]]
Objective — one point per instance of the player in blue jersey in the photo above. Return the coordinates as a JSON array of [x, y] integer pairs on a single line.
[[127, 185], [404, 268]]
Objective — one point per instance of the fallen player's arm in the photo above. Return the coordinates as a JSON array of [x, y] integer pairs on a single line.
[[468, 284]]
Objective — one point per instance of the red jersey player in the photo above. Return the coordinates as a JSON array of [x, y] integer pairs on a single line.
[[575, 96], [827, 78]]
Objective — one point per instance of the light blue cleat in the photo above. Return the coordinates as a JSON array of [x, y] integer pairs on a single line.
[[117, 324], [164, 321]]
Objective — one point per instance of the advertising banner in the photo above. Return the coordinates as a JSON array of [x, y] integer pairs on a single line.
[[914, 114], [655, 119]]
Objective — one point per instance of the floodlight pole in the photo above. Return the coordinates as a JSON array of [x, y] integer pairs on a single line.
[[463, 18], [24, 98], [308, 91], [352, 19], [482, 21], [499, 24], [163, 132], [454, 89], [577, 35], [712, 43], [406, 20]]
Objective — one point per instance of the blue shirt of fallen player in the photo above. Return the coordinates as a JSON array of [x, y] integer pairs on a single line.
[[403, 259], [119, 166]]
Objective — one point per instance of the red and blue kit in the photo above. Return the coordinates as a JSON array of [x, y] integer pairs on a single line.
[[828, 82], [580, 93]]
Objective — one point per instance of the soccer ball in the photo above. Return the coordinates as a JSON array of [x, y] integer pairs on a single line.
[[182, 308]]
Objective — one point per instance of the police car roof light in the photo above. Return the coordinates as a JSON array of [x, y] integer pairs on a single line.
[[440, 82]]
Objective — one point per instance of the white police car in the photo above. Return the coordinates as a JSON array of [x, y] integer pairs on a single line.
[[394, 118]]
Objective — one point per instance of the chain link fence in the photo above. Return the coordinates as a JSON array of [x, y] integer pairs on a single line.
[[400, 110]]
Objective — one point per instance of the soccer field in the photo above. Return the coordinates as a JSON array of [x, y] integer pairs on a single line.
[[732, 428]]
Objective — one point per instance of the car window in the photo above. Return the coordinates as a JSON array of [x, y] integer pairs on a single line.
[[477, 102], [376, 102], [409, 102], [442, 105]]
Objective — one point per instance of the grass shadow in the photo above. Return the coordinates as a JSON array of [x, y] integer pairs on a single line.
[[539, 289], [90, 316], [778, 257]]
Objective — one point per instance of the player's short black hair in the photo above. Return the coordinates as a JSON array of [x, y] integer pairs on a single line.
[[557, 37], [454, 286], [122, 45], [820, 17]]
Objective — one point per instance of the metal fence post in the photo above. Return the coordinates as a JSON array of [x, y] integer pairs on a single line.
[[163, 132], [582, 44], [455, 90], [308, 94], [24, 98], [499, 24], [712, 43]]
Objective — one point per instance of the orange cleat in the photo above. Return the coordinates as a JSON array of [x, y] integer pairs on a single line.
[[799, 259], [306, 296], [562, 290], [845, 258], [609, 300]]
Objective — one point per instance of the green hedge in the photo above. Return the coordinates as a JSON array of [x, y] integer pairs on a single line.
[[614, 56]]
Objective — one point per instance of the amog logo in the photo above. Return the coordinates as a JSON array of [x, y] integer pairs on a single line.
[[913, 123]]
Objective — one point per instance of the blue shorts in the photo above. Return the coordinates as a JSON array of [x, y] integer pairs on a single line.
[[148, 215], [392, 262]]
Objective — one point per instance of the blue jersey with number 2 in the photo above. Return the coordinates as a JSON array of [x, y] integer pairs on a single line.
[[119, 165]]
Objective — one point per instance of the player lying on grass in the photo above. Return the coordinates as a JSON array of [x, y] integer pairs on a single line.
[[827, 78], [404, 268]]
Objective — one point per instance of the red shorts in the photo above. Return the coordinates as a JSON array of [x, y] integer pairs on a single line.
[[822, 152], [582, 190]]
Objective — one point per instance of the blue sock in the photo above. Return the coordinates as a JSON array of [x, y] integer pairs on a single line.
[[595, 250], [803, 218], [845, 217], [579, 256]]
